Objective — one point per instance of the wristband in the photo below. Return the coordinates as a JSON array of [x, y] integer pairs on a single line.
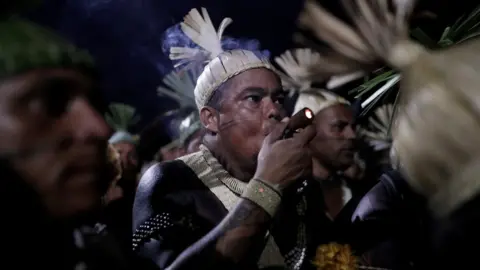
[[263, 195]]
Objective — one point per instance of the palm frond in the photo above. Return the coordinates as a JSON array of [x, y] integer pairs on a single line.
[[465, 28], [121, 116]]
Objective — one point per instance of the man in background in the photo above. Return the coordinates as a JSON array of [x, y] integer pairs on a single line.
[[52, 153]]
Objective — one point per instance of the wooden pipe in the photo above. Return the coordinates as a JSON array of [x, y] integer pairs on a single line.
[[301, 119]]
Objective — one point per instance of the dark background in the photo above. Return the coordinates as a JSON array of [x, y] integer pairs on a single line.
[[125, 36]]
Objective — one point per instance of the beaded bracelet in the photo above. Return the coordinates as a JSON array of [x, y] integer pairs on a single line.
[[263, 195]]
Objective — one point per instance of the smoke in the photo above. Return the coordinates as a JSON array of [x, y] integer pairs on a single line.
[[174, 37]]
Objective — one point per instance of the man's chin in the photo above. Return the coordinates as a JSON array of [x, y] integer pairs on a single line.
[[76, 207], [84, 195], [346, 163]]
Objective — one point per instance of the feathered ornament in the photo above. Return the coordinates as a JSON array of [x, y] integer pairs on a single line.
[[303, 67], [339, 80], [297, 65], [121, 116], [199, 28], [180, 87], [435, 130], [220, 65], [377, 31], [378, 134], [299, 77]]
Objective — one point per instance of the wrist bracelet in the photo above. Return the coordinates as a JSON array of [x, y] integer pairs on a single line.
[[263, 195]]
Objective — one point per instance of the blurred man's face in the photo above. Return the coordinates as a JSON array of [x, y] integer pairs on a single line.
[[334, 144], [128, 156], [46, 116]]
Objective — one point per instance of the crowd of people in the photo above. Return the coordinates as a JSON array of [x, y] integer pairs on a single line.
[[231, 191]]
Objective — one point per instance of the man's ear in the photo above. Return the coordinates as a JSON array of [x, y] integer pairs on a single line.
[[209, 119]]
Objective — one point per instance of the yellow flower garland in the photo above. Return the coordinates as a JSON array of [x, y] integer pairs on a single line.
[[334, 256]]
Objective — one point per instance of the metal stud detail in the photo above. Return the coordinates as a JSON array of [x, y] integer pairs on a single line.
[[157, 225]]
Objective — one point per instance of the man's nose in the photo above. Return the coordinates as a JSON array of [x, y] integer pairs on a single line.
[[350, 133], [274, 110], [87, 122]]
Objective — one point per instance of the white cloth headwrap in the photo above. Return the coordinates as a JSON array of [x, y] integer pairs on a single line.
[[318, 100]]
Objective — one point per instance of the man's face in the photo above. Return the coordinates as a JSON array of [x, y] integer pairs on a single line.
[[47, 117], [251, 106], [334, 144], [128, 156]]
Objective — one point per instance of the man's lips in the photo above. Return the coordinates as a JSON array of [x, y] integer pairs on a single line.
[[87, 163], [349, 149]]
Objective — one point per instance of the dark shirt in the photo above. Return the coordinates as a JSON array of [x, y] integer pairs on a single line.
[[390, 225], [173, 209]]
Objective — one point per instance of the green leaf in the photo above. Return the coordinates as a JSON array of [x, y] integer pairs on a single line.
[[445, 34], [445, 43], [371, 84], [470, 36], [465, 23], [475, 26]]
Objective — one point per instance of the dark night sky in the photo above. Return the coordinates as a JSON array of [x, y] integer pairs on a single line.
[[125, 36]]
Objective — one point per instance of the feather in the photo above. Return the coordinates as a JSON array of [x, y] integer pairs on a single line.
[[374, 36], [180, 87], [334, 32], [121, 116], [199, 28], [377, 133], [339, 80], [297, 65]]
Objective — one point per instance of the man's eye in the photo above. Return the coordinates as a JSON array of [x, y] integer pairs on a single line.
[[254, 98], [57, 96], [57, 102], [280, 100], [337, 127]]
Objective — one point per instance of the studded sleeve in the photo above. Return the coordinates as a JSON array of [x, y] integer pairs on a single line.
[[163, 236]]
